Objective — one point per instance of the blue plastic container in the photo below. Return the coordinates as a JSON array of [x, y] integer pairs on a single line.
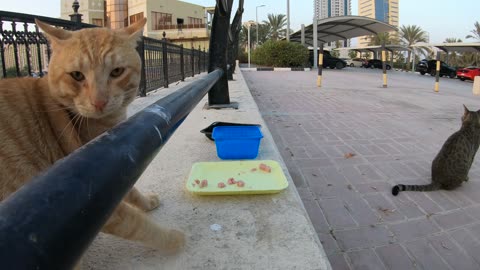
[[237, 142]]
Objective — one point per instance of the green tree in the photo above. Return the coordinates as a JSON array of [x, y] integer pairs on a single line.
[[352, 54], [336, 53], [281, 54], [475, 31], [276, 25], [452, 57], [376, 40], [409, 36]]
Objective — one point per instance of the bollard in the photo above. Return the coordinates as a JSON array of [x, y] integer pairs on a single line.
[[320, 66], [384, 66], [437, 72], [476, 86]]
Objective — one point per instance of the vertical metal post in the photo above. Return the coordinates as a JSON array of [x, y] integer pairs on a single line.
[[27, 49], [182, 63], [165, 63], [248, 45], [193, 61], [288, 20], [219, 95], [384, 65], [2, 52], [233, 40], [39, 51], [320, 66], [303, 35], [199, 59], [437, 72], [315, 43], [142, 88], [15, 49]]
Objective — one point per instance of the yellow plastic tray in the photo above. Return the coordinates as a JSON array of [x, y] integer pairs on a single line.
[[256, 182]]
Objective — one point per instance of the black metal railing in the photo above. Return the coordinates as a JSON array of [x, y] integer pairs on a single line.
[[166, 63], [24, 51]]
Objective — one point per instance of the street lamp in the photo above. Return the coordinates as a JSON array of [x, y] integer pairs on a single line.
[[288, 20], [249, 24], [256, 13]]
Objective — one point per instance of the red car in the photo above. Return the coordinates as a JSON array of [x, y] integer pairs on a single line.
[[468, 73]]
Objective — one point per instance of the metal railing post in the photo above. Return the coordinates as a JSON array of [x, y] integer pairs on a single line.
[[182, 64], [165, 62], [142, 88], [233, 39], [193, 61], [219, 95]]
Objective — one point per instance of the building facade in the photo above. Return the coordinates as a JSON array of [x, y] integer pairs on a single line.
[[382, 10], [183, 23], [332, 8]]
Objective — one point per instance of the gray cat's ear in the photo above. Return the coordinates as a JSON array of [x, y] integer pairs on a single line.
[[53, 34], [134, 31], [465, 109]]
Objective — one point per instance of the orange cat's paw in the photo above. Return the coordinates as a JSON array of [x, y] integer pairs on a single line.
[[175, 242], [153, 202]]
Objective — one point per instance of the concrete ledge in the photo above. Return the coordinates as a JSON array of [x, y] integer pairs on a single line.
[[257, 232], [276, 69]]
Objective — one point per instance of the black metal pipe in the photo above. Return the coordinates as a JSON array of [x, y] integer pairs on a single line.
[[49, 222]]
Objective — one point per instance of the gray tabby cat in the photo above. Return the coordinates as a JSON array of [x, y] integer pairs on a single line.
[[451, 165]]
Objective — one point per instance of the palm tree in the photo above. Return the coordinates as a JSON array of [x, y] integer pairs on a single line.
[[452, 57], [475, 32], [410, 35], [276, 24], [379, 39]]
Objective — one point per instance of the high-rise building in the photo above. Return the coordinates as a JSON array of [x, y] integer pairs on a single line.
[[382, 10], [332, 8]]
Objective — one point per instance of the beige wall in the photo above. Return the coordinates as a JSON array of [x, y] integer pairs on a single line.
[[367, 8], [90, 9]]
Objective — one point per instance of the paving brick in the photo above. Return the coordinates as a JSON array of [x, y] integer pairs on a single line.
[[316, 216], [336, 213], [365, 259], [389, 149], [453, 219], [329, 244], [387, 170], [457, 197], [305, 194], [473, 211], [363, 237], [456, 257], [425, 256], [384, 208], [314, 151], [403, 170], [338, 261], [313, 163], [376, 150], [352, 174], [468, 241], [361, 211], [297, 176], [407, 207], [296, 152], [444, 202], [394, 257], [411, 229], [333, 176], [373, 187], [369, 172], [424, 202]]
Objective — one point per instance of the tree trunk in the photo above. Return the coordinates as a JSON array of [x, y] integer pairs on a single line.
[[409, 54]]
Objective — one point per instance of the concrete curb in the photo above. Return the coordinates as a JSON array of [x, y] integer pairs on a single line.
[[274, 69]]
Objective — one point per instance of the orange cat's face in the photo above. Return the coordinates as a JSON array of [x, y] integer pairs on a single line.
[[94, 72]]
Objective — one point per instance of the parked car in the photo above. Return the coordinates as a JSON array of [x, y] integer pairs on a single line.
[[430, 66], [468, 73], [329, 61], [376, 63], [355, 62]]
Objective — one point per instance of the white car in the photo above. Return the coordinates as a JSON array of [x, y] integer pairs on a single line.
[[355, 62]]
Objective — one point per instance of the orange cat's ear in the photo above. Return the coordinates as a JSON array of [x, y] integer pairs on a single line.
[[52, 33], [134, 31]]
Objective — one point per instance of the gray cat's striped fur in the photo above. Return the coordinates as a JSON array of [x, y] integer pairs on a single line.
[[451, 165]]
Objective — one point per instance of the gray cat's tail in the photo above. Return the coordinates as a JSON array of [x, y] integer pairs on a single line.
[[430, 187]]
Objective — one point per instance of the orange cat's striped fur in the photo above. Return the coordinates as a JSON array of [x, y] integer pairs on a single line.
[[93, 75]]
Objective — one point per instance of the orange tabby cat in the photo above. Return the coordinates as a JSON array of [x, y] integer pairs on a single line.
[[93, 75]]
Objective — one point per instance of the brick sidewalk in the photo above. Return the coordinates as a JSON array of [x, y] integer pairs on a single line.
[[394, 134]]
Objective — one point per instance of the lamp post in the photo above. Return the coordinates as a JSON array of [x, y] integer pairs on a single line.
[[256, 20], [288, 20], [249, 24]]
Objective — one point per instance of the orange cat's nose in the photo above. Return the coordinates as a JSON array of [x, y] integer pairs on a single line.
[[100, 104]]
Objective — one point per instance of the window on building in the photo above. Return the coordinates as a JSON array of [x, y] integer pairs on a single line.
[[161, 20], [136, 17], [97, 22], [192, 20]]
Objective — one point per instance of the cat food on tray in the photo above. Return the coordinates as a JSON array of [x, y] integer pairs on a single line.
[[204, 183], [221, 185], [240, 183], [265, 168], [231, 181]]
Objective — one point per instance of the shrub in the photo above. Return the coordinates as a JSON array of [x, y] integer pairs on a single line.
[[242, 56], [280, 54]]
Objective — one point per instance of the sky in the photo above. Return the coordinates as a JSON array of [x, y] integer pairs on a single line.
[[440, 18]]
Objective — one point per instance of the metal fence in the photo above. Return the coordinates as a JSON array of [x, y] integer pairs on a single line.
[[24, 51]]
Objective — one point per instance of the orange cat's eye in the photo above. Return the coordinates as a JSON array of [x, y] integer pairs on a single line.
[[77, 75], [117, 72]]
